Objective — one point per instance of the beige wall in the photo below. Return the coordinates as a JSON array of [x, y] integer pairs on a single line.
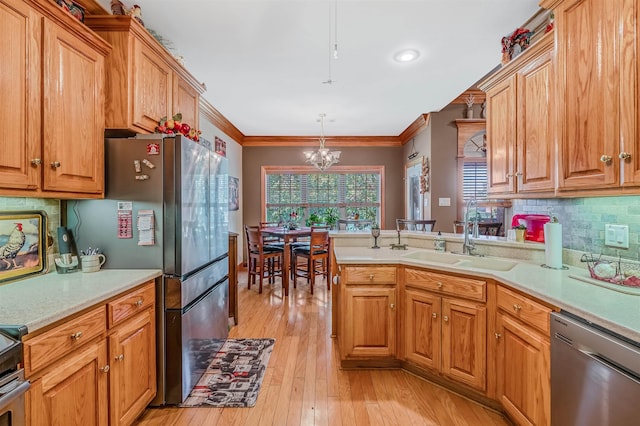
[[253, 158]]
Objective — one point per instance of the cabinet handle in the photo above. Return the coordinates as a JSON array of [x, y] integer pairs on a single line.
[[36, 161], [105, 369], [439, 284], [445, 318], [516, 307], [392, 306], [55, 164], [120, 357], [606, 159], [139, 303], [624, 156], [498, 335], [76, 335], [434, 315]]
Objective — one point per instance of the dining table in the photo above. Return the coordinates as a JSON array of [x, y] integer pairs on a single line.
[[288, 236]]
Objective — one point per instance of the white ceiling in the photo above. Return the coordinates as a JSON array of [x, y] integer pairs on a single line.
[[264, 61]]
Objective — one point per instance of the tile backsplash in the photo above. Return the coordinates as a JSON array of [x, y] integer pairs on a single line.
[[583, 221], [50, 206]]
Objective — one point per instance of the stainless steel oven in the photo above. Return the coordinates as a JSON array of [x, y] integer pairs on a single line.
[[12, 390]]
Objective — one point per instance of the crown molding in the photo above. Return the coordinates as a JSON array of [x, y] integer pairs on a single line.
[[220, 121], [418, 125], [330, 141]]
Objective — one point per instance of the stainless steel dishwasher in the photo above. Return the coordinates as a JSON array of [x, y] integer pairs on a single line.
[[595, 376]]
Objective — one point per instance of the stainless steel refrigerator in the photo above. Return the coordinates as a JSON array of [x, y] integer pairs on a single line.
[[185, 186]]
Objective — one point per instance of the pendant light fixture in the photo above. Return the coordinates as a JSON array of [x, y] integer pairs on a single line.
[[322, 159]]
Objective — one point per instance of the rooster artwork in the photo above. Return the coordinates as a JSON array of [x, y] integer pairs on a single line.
[[12, 247]]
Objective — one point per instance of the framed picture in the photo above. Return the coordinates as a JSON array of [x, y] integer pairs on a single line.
[[220, 147], [23, 244], [234, 193]]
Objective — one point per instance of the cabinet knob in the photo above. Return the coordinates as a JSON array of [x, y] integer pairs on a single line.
[[516, 307], [55, 164], [439, 284], [36, 161], [508, 176], [624, 156], [606, 159], [392, 306], [434, 315], [371, 277], [445, 318], [498, 335], [139, 303], [76, 335], [120, 357], [105, 369], [519, 174]]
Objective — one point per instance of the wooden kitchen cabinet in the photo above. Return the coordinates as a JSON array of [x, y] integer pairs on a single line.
[[523, 358], [144, 81], [520, 124], [368, 312], [443, 333], [53, 108], [96, 368], [597, 93]]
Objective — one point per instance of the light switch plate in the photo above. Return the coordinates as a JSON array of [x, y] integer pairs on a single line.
[[616, 235], [444, 202]]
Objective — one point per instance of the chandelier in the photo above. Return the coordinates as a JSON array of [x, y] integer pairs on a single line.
[[322, 159]]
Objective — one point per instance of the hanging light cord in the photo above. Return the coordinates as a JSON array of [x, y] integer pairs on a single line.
[[335, 29]]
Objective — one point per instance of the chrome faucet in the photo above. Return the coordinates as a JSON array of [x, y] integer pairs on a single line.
[[469, 246]]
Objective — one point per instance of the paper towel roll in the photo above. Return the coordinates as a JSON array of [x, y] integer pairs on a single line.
[[553, 245]]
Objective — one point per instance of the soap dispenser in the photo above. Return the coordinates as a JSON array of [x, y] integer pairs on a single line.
[[439, 244]]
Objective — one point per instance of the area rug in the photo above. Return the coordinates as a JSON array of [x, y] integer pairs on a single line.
[[234, 375]]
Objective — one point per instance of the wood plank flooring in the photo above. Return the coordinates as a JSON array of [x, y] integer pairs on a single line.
[[304, 385]]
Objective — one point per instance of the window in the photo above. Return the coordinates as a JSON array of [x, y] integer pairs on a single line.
[[474, 180], [343, 192]]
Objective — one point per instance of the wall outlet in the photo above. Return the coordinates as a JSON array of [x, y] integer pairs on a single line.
[[444, 202], [616, 235]]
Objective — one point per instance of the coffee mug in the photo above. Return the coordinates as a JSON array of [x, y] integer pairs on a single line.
[[93, 262]]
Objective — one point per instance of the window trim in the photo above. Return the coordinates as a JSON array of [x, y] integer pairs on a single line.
[[265, 170]]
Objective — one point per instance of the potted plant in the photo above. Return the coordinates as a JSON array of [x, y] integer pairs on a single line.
[[313, 219], [331, 218], [520, 231]]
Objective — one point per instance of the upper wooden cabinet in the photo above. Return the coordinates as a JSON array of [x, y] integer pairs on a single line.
[[520, 124], [597, 93], [144, 81], [53, 103]]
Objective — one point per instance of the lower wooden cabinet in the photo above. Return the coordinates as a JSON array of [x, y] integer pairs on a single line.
[[74, 391], [94, 375], [447, 335], [523, 359]]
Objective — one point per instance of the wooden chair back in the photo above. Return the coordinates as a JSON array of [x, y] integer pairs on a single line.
[[415, 225], [354, 224]]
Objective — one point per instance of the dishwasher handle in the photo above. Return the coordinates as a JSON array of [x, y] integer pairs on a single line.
[[612, 365]]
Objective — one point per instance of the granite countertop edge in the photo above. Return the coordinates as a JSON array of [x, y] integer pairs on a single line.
[[611, 309], [37, 302]]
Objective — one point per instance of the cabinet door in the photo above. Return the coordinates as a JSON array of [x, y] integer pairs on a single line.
[[588, 93], [152, 88], [21, 95], [369, 325], [501, 137], [74, 391], [186, 100], [422, 328], [523, 367], [536, 130], [464, 342], [133, 367], [73, 118], [630, 91]]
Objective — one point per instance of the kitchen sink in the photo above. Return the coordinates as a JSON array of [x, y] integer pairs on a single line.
[[433, 257], [487, 263]]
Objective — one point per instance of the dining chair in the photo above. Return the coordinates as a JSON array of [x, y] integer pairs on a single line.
[[415, 225], [264, 260], [317, 258], [270, 239]]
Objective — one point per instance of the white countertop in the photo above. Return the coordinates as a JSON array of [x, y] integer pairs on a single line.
[[39, 301], [612, 309]]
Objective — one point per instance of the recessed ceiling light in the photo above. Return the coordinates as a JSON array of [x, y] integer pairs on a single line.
[[406, 55]]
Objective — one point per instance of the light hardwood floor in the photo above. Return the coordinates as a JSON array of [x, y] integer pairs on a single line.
[[304, 385]]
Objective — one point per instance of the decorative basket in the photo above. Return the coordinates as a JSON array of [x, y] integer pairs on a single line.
[[612, 271]]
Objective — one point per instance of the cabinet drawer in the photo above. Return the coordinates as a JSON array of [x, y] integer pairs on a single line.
[[525, 309], [42, 350], [446, 284], [131, 303], [369, 275]]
